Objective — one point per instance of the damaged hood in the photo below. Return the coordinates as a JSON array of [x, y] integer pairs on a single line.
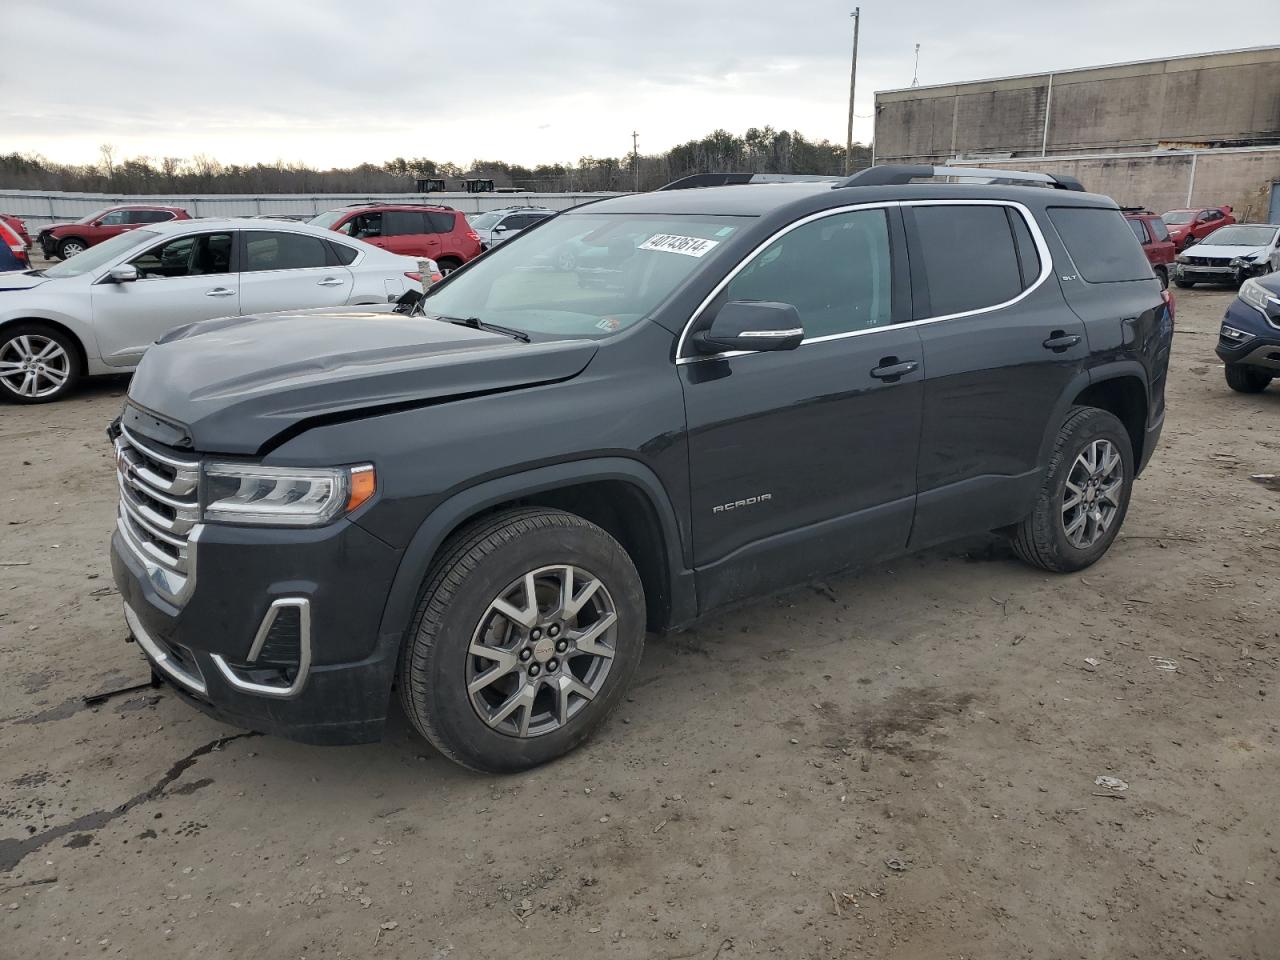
[[1208, 249], [231, 386]]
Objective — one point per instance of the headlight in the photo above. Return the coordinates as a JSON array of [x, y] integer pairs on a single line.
[[1257, 296], [1239, 262], [1180, 258], [284, 496]]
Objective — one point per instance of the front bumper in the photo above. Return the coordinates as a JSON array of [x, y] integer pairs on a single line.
[[336, 687], [1260, 347], [1217, 273]]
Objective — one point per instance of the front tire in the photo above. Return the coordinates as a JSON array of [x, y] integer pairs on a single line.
[[70, 247], [38, 363], [1083, 496], [530, 627], [1244, 379], [1184, 284]]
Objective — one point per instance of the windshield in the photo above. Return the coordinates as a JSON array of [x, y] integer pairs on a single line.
[[1240, 236], [483, 221], [326, 219], [95, 257], [1178, 216], [583, 275], [95, 216]]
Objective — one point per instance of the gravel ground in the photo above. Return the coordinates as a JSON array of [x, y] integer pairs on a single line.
[[899, 763]]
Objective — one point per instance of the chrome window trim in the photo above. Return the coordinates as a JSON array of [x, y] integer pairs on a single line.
[[303, 606], [1033, 227]]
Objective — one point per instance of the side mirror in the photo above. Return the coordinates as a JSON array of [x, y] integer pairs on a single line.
[[125, 273], [752, 325], [501, 228]]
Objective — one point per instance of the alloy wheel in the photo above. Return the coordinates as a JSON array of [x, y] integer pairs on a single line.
[[71, 249], [34, 366], [1093, 492], [542, 651]]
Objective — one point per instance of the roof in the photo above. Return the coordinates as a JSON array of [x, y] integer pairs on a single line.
[[758, 200], [234, 223]]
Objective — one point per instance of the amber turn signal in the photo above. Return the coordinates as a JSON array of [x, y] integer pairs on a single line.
[[364, 484]]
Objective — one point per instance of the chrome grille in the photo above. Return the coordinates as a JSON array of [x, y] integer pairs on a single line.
[[159, 511]]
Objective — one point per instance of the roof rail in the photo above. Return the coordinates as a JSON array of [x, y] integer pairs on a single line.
[[728, 179], [896, 174]]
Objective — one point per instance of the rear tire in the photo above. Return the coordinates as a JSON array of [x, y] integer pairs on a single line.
[[1244, 379], [554, 669], [1184, 284], [1083, 496], [38, 363], [71, 246], [447, 265]]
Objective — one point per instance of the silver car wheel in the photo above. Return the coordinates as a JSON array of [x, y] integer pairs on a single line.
[[34, 366], [1092, 495], [541, 651], [70, 248]]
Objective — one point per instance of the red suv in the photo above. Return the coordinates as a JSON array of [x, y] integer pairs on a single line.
[[64, 240], [1195, 223], [1156, 239], [437, 232]]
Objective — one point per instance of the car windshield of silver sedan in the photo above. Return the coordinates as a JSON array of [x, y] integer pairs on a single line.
[[97, 256], [583, 275]]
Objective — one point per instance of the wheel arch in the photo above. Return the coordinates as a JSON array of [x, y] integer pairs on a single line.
[[76, 341], [1123, 393], [622, 496]]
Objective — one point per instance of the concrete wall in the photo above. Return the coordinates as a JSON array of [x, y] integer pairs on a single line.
[[1217, 99], [1164, 181], [40, 207]]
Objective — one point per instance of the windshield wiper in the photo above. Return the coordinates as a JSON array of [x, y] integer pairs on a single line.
[[475, 323]]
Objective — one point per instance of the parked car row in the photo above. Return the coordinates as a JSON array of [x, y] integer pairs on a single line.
[[99, 311]]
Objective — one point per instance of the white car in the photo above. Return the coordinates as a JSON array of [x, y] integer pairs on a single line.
[[98, 312], [496, 226], [1231, 254]]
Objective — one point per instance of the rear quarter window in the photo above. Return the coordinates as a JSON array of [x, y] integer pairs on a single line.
[[439, 222], [1101, 244]]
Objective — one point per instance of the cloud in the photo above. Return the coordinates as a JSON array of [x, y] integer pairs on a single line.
[[337, 83]]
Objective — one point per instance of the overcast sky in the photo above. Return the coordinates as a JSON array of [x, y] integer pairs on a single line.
[[338, 83]]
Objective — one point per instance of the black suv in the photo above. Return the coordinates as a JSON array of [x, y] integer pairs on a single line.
[[486, 504]]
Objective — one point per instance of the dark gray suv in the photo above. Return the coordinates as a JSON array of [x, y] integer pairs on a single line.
[[484, 505]]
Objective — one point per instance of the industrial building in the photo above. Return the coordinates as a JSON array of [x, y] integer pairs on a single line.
[[1183, 131]]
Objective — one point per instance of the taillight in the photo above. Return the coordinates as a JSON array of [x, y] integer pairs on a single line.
[[472, 235]]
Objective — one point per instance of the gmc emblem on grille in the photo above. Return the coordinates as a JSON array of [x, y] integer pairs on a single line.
[[739, 504]]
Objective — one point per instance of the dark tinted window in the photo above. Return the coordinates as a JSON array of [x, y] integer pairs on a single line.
[[282, 251], [835, 271], [191, 256], [149, 216], [1158, 229], [115, 218], [344, 253], [400, 223], [969, 257], [1139, 230], [439, 221], [1101, 245]]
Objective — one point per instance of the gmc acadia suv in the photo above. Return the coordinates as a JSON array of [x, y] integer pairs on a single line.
[[486, 503]]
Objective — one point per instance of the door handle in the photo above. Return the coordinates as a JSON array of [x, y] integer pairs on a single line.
[[330, 282], [1060, 340], [891, 369], [220, 292]]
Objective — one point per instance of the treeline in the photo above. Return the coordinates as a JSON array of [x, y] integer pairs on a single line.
[[760, 150]]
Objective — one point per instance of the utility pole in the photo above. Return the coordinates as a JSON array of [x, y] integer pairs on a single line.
[[853, 78], [635, 158], [915, 73]]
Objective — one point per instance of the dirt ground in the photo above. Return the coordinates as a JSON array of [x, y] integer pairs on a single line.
[[894, 764]]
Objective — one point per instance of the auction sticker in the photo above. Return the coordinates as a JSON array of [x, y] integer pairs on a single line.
[[670, 243]]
